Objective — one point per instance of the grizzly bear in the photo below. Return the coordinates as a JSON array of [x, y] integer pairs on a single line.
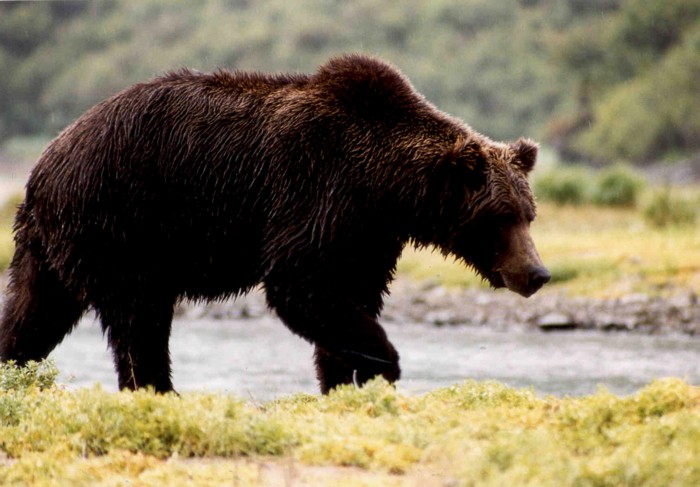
[[202, 186]]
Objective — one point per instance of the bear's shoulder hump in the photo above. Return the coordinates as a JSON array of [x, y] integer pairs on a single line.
[[362, 76]]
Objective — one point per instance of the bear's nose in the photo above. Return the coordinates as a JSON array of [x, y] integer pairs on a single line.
[[539, 276]]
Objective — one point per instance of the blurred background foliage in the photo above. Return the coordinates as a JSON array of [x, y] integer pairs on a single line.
[[602, 81]]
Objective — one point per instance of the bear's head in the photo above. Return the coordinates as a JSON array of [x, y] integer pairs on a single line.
[[494, 209]]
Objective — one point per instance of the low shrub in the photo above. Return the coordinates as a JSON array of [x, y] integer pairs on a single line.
[[35, 374], [564, 185], [617, 185], [666, 210]]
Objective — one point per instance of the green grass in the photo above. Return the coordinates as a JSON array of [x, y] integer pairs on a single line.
[[467, 434]]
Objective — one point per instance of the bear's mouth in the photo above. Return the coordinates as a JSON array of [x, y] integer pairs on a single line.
[[496, 280]]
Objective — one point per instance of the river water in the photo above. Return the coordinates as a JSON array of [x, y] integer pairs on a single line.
[[259, 359]]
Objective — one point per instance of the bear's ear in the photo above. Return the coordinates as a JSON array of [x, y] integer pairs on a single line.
[[467, 153], [463, 166], [526, 154]]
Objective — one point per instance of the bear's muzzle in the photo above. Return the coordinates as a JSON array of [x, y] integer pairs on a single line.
[[521, 269]]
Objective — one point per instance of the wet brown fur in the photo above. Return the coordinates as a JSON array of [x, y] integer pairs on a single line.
[[202, 186]]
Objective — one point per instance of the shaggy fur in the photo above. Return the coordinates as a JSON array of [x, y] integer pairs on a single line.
[[202, 186]]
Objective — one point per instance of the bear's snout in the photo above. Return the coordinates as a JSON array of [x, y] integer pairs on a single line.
[[528, 281], [520, 268], [539, 276]]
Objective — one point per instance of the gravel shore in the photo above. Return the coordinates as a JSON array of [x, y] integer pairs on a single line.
[[424, 302]]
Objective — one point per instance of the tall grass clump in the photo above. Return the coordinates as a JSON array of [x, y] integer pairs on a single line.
[[669, 210], [617, 185]]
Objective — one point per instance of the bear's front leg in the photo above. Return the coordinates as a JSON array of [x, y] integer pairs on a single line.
[[334, 370], [350, 344]]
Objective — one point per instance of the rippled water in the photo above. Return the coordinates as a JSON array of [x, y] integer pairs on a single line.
[[260, 359]]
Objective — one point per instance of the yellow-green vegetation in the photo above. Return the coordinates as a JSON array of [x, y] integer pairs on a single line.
[[592, 250], [7, 215], [468, 434], [7, 245]]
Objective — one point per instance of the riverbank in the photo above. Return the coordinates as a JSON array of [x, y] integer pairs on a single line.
[[426, 302], [412, 301]]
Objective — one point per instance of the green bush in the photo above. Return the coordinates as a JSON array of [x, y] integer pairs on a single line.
[[617, 186], [666, 209], [564, 185], [34, 374]]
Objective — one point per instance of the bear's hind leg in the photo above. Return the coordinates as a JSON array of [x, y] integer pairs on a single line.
[[138, 335], [39, 310]]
